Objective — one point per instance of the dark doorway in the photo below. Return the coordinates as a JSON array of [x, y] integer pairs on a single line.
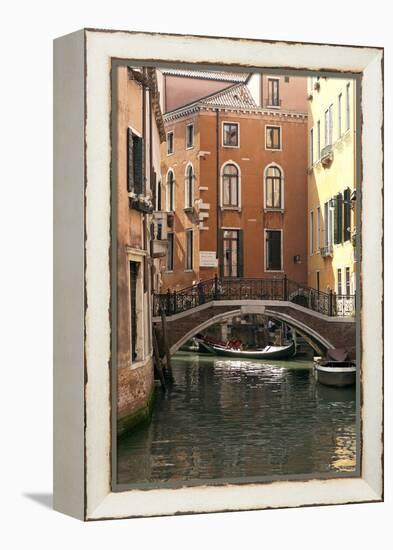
[[134, 271]]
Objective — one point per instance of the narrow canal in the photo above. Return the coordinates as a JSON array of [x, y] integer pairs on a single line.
[[227, 419]]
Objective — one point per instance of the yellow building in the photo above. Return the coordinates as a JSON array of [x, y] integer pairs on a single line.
[[331, 185]]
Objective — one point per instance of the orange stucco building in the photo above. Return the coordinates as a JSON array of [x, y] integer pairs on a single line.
[[234, 176]]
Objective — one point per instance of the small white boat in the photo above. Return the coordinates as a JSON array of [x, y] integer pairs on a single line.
[[336, 369]]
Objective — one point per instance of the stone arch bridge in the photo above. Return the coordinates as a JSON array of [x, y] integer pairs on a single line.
[[325, 320]]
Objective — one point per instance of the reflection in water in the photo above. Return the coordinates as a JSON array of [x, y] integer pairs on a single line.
[[243, 418]]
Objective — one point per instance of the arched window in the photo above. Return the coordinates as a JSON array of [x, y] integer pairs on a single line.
[[170, 191], [230, 185], [273, 188], [189, 186]]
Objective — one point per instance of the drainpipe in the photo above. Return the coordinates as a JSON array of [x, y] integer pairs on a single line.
[[218, 212]]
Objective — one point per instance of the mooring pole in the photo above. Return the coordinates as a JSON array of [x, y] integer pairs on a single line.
[[168, 365], [157, 361]]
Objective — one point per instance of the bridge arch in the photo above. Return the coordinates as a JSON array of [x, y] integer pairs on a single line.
[[316, 340]]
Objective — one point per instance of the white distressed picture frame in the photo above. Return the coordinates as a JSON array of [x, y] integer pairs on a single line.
[[82, 388]]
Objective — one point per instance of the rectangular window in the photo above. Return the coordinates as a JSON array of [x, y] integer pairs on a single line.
[[273, 92], [273, 247], [347, 214], [311, 233], [189, 136], [170, 252], [326, 224], [230, 134], [273, 137], [347, 281], [339, 282], [330, 234], [318, 229], [134, 271], [348, 106], [189, 250], [329, 126], [338, 218], [232, 253], [319, 139], [311, 147], [170, 143], [340, 97], [318, 280], [135, 165]]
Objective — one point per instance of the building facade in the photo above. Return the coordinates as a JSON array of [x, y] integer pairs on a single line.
[[332, 185], [139, 132], [234, 170]]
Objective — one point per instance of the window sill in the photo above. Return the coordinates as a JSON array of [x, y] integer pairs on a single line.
[[231, 146], [273, 149], [274, 271], [189, 148], [273, 106], [232, 208], [188, 271], [170, 154], [280, 210]]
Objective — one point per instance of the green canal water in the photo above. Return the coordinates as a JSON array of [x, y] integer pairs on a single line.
[[239, 420]]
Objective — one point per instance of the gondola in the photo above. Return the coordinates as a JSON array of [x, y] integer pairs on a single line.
[[269, 352]]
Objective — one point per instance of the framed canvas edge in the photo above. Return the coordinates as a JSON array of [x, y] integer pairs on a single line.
[[99, 501]]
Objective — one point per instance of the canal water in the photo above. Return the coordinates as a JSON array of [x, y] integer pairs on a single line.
[[241, 419]]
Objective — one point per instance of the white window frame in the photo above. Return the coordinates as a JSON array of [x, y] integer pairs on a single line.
[[142, 337], [311, 147], [191, 124], [347, 107], [239, 182], [186, 232], [273, 126], [169, 153], [274, 165], [311, 233], [339, 115], [266, 229], [167, 194], [173, 253], [268, 104], [186, 205], [238, 134], [318, 230]]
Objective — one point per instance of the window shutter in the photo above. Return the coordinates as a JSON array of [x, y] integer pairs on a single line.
[[347, 215], [138, 165], [130, 161], [340, 217], [336, 220], [240, 270]]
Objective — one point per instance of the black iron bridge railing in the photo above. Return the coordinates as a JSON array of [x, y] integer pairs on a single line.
[[239, 288]]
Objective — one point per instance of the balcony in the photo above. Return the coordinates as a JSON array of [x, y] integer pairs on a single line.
[[327, 155], [327, 251]]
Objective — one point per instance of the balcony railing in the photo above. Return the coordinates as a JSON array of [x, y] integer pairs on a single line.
[[283, 289]]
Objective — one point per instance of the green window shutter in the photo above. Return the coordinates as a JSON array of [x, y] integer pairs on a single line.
[[240, 269], [347, 214], [130, 161], [340, 217], [138, 165]]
